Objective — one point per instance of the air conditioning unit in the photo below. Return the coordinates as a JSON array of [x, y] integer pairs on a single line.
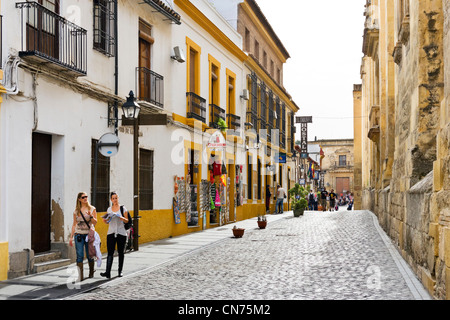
[[178, 55], [245, 94]]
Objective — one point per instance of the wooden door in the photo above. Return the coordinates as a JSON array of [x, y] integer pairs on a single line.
[[42, 29], [144, 67], [342, 185], [145, 44], [40, 196]]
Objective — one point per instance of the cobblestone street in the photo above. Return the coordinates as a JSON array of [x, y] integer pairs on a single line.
[[321, 255]]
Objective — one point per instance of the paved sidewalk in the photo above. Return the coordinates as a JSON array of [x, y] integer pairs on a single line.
[[59, 283], [321, 256]]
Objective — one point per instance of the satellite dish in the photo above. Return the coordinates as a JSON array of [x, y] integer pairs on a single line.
[[108, 145]]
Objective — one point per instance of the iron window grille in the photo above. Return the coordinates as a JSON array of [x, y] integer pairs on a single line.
[[271, 117], [146, 169], [252, 111], [105, 19], [283, 126], [103, 169], [262, 106]]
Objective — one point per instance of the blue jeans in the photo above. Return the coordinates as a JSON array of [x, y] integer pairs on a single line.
[[279, 203], [80, 247]]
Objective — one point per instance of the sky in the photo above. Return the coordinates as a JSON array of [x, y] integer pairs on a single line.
[[324, 41]]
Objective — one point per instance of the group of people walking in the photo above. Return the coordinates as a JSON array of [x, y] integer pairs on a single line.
[[85, 219], [328, 201]]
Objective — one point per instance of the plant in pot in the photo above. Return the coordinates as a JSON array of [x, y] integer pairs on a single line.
[[262, 221], [238, 232], [222, 125], [298, 198]]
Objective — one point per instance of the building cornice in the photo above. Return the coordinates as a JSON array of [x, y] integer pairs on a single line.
[[210, 27], [263, 26]]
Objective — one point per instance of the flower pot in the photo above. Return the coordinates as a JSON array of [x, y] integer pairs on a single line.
[[298, 212], [262, 224], [238, 232]]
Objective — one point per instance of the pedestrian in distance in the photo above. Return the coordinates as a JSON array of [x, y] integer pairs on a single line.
[[281, 195], [332, 200], [268, 195], [323, 199], [84, 218], [311, 200], [115, 217]]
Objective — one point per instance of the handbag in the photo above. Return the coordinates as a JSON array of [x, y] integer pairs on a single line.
[[91, 238]]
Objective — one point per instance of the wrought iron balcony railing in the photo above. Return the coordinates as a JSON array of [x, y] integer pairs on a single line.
[[48, 37], [234, 122], [216, 113], [150, 86], [196, 107]]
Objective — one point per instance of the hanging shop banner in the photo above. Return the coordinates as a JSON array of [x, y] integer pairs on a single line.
[[303, 139], [217, 141]]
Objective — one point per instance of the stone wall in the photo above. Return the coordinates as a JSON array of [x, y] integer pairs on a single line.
[[413, 204]]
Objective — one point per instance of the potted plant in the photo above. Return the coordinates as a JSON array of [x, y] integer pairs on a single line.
[[298, 198], [238, 232], [262, 221], [222, 125]]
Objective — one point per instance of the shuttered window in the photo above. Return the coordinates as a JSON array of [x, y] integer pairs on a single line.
[[146, 167]]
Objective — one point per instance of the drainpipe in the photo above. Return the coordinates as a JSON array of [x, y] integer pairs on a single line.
[[116, 69]]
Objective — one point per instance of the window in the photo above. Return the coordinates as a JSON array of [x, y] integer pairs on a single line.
[[101, 180], [146, 167], [257, 50], [193, 65], [265, 59], [247, 40], [342, 161], [104, 26]]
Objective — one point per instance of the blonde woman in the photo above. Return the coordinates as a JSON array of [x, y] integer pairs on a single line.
[[117, 235], [84, 217]]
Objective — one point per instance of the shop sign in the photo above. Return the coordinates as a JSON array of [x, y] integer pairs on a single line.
[[217, 141]]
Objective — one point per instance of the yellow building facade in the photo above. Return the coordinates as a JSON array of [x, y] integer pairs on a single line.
[[401, 132]]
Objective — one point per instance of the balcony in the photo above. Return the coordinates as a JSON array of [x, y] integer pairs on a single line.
[[196, 107], [233, 122], [342, 165], [216, 114], [150, 87], [49, 39], [374, 120]]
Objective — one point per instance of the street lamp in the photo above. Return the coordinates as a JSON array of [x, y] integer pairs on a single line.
[[130, 108], [131, 111]]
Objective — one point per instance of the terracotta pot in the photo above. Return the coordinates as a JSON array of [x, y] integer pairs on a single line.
[[262, 224], [238, 232]]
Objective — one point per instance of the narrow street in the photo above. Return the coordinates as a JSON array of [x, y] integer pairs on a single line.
[[341, 255]]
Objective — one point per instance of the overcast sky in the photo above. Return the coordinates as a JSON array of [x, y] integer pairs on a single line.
[[324, 41]]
